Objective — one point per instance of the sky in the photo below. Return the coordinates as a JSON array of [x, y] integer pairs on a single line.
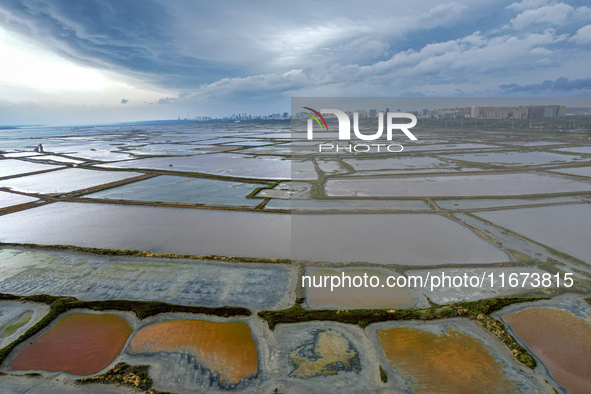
[[105, 61]]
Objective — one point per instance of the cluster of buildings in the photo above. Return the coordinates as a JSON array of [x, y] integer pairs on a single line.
[[275, 116], [239, 117], [519, 112]]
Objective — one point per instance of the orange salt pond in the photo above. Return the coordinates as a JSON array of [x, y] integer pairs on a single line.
[[561, 340], [81, 344], [448, 362], [224, 348]]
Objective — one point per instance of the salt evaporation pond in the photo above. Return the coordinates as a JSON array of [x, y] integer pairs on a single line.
[[226, 349], [515, 158], [447, 293], [561, 340], [400, 163], [65, 181], [450, 361], [55, 158], [10, 328], [11, 167], [16, 317], [388, 238], [177, 281], [438, 147], [467, 204], [184, 190], [347, 205], [455, 185], [10, 199], [91, 150], [20, 154], [356, 297], [183, 149], [578, 149], [225, 164], [531, 143], [580, 171], [80, 344], [564, 228]]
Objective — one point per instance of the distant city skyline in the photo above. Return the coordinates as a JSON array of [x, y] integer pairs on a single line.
[[109, 61]]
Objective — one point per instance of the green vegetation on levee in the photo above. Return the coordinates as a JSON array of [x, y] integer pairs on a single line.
[[10, 328], [142, 253], [383, 376], [142, 310], [122, 373], [479, 311]]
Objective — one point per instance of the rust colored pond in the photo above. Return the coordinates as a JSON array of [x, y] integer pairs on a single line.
[[224, 348], [449, 362], [561, 340], [81, 344]]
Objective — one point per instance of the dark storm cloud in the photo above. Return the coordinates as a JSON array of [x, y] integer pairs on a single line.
[[220, 57], [126, 36]]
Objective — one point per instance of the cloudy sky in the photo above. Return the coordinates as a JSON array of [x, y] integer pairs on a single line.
[[79, 62]]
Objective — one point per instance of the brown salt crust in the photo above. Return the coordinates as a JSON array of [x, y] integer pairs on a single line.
[[523, 379], [224, 348]]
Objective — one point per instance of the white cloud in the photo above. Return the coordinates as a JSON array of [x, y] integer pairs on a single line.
[[556, 14], [473, 54], [466, 62], [442, 15], [583, 36], [527, 5]]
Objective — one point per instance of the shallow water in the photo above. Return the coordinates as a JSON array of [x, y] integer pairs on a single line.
[[565, 228], [578, 149], [412, 147], [455, 185], [515, 158], [357, 297], [21, 154], [184, 190], [223, 348], [580, 171], [400, 163], [156, 229], [561, 340], [387, 238], [227, 164], [55, 158], [502, 202], [413, 239], [10, 167], [65, 181], [80, 344], [348, 205], [449, 362], [10, 199]]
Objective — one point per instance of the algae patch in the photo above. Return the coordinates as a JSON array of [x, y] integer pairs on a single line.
[[10, 328], [326, 354]]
